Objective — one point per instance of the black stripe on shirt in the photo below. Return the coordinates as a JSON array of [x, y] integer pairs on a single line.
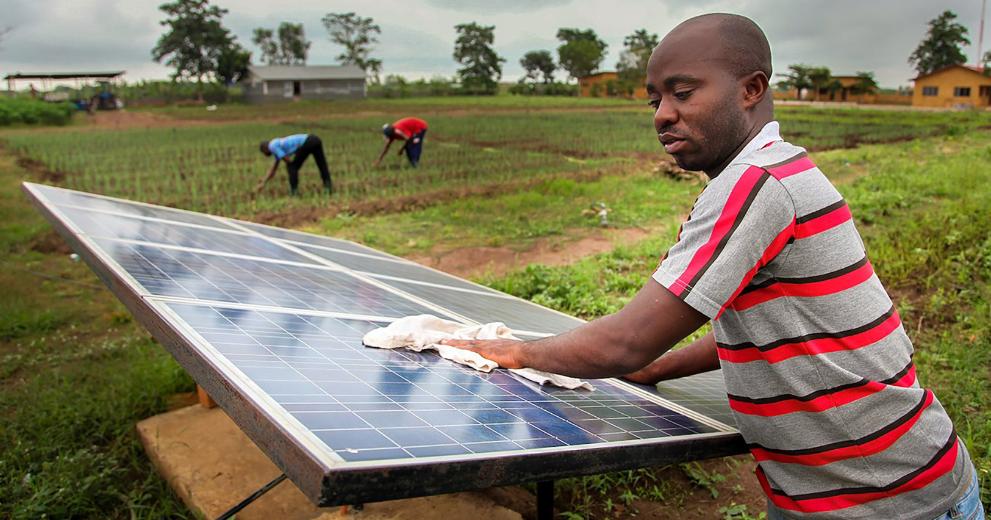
[[736, 223], [818, 393], [809, 337], [791, 159], [816, 214], [901, 481], [907, 416]]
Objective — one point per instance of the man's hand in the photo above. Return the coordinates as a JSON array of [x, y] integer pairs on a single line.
[[259, 186], [506, 352], [376, 163]]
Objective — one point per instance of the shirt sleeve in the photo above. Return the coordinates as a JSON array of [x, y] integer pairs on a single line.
[[740, 223], [275, 146]]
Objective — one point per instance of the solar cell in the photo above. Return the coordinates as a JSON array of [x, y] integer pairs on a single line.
[[308, 238], [270, 323], [188, 274], [515, 313], [63, 197], [108, 225], [374, 404], [392, 268]]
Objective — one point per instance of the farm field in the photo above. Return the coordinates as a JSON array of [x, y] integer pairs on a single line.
[[506, 172]]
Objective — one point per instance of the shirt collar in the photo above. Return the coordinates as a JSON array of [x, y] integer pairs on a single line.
[[769, 134]]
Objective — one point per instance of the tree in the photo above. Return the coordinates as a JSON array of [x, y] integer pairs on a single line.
[[195, 39], [821, 78], [797, 78], [538, 64], [232, 64], [941, 46], [481, 68], [581, 51], [285, 46], [632, 65], [356, 35], [866, 84]]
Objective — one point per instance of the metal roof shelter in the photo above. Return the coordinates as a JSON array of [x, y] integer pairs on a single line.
[[46, 77], [270, 321], [305, 72]]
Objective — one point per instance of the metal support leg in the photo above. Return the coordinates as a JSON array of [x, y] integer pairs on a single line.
[[545, 500], [254, 496]]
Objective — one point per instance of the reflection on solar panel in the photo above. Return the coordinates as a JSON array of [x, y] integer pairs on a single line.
[[270, 323]]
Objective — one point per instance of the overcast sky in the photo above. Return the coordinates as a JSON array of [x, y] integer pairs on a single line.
[[418, 35]]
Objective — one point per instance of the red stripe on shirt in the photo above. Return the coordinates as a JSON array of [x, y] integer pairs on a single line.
[[730, 213], [936, 469], [823, 223], [802, 164], [865, 449], [804, 290], [814, 346], [772, 250], [821, 403]]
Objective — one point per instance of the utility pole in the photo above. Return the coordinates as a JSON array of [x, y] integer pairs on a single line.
[[980, 37]]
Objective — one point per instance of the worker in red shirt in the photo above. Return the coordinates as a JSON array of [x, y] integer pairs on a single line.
[[412, 131]]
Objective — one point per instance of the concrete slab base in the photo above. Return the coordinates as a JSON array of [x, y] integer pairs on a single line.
[[212, 466]]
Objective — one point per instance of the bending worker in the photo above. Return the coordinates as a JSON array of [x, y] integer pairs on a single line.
[[411, 131], [817, 365], [294, 150]]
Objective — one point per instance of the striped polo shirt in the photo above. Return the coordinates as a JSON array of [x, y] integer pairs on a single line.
[[818, 367]]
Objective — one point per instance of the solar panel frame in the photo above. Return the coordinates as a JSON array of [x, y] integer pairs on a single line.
[[327, 481]]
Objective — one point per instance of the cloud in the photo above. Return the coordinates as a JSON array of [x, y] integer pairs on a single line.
[[418, 35], [503, 6]]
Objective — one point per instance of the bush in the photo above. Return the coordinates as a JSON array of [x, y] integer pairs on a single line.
[[396, 86], [544, 89], [15, 110], [165, 92]]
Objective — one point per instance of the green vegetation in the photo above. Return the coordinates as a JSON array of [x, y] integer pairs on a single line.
[[75, 378], [212, 169], [923, 212], [26, 111]]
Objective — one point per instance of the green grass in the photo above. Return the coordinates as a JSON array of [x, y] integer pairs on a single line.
[[213, 168], [74, 378], [392, 107]]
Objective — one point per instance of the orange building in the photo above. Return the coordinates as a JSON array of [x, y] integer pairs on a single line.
[[607, 84], [956, 86]]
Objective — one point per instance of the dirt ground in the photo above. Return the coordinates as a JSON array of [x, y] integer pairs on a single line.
[[475, 261]]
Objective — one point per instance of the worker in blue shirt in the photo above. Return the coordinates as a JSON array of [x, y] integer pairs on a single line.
[[294, 150]]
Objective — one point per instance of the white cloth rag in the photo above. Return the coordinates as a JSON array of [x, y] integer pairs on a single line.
[[424, 332]]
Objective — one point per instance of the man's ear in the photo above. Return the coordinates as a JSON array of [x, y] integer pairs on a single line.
[[755, 88]]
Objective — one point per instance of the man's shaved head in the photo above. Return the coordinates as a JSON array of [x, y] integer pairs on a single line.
[[708, 82], [742, 44]]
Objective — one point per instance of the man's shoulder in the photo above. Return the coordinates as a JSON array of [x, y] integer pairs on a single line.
[[774, 155]]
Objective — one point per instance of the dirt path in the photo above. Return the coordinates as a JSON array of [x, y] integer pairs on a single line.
[[476, 261]]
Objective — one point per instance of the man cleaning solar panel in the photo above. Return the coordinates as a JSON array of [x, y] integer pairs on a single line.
[[294, 150], [411, 131], [817, 365]]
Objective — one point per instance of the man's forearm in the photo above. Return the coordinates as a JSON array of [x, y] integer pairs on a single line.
[[594, 350], [700, 356]]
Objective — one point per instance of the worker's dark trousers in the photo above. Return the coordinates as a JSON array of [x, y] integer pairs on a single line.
[[414, 145], [311, 146]]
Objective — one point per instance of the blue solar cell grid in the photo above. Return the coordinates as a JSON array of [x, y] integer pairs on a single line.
[[74, 198], [165, 272], [112, 226], [372, 404]]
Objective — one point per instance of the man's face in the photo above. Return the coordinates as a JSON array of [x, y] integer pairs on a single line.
[[697, 102]]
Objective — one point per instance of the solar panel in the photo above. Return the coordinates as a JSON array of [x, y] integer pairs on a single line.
[[270, 323]]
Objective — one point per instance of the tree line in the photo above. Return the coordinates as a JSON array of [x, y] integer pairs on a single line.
[[198, 47]]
